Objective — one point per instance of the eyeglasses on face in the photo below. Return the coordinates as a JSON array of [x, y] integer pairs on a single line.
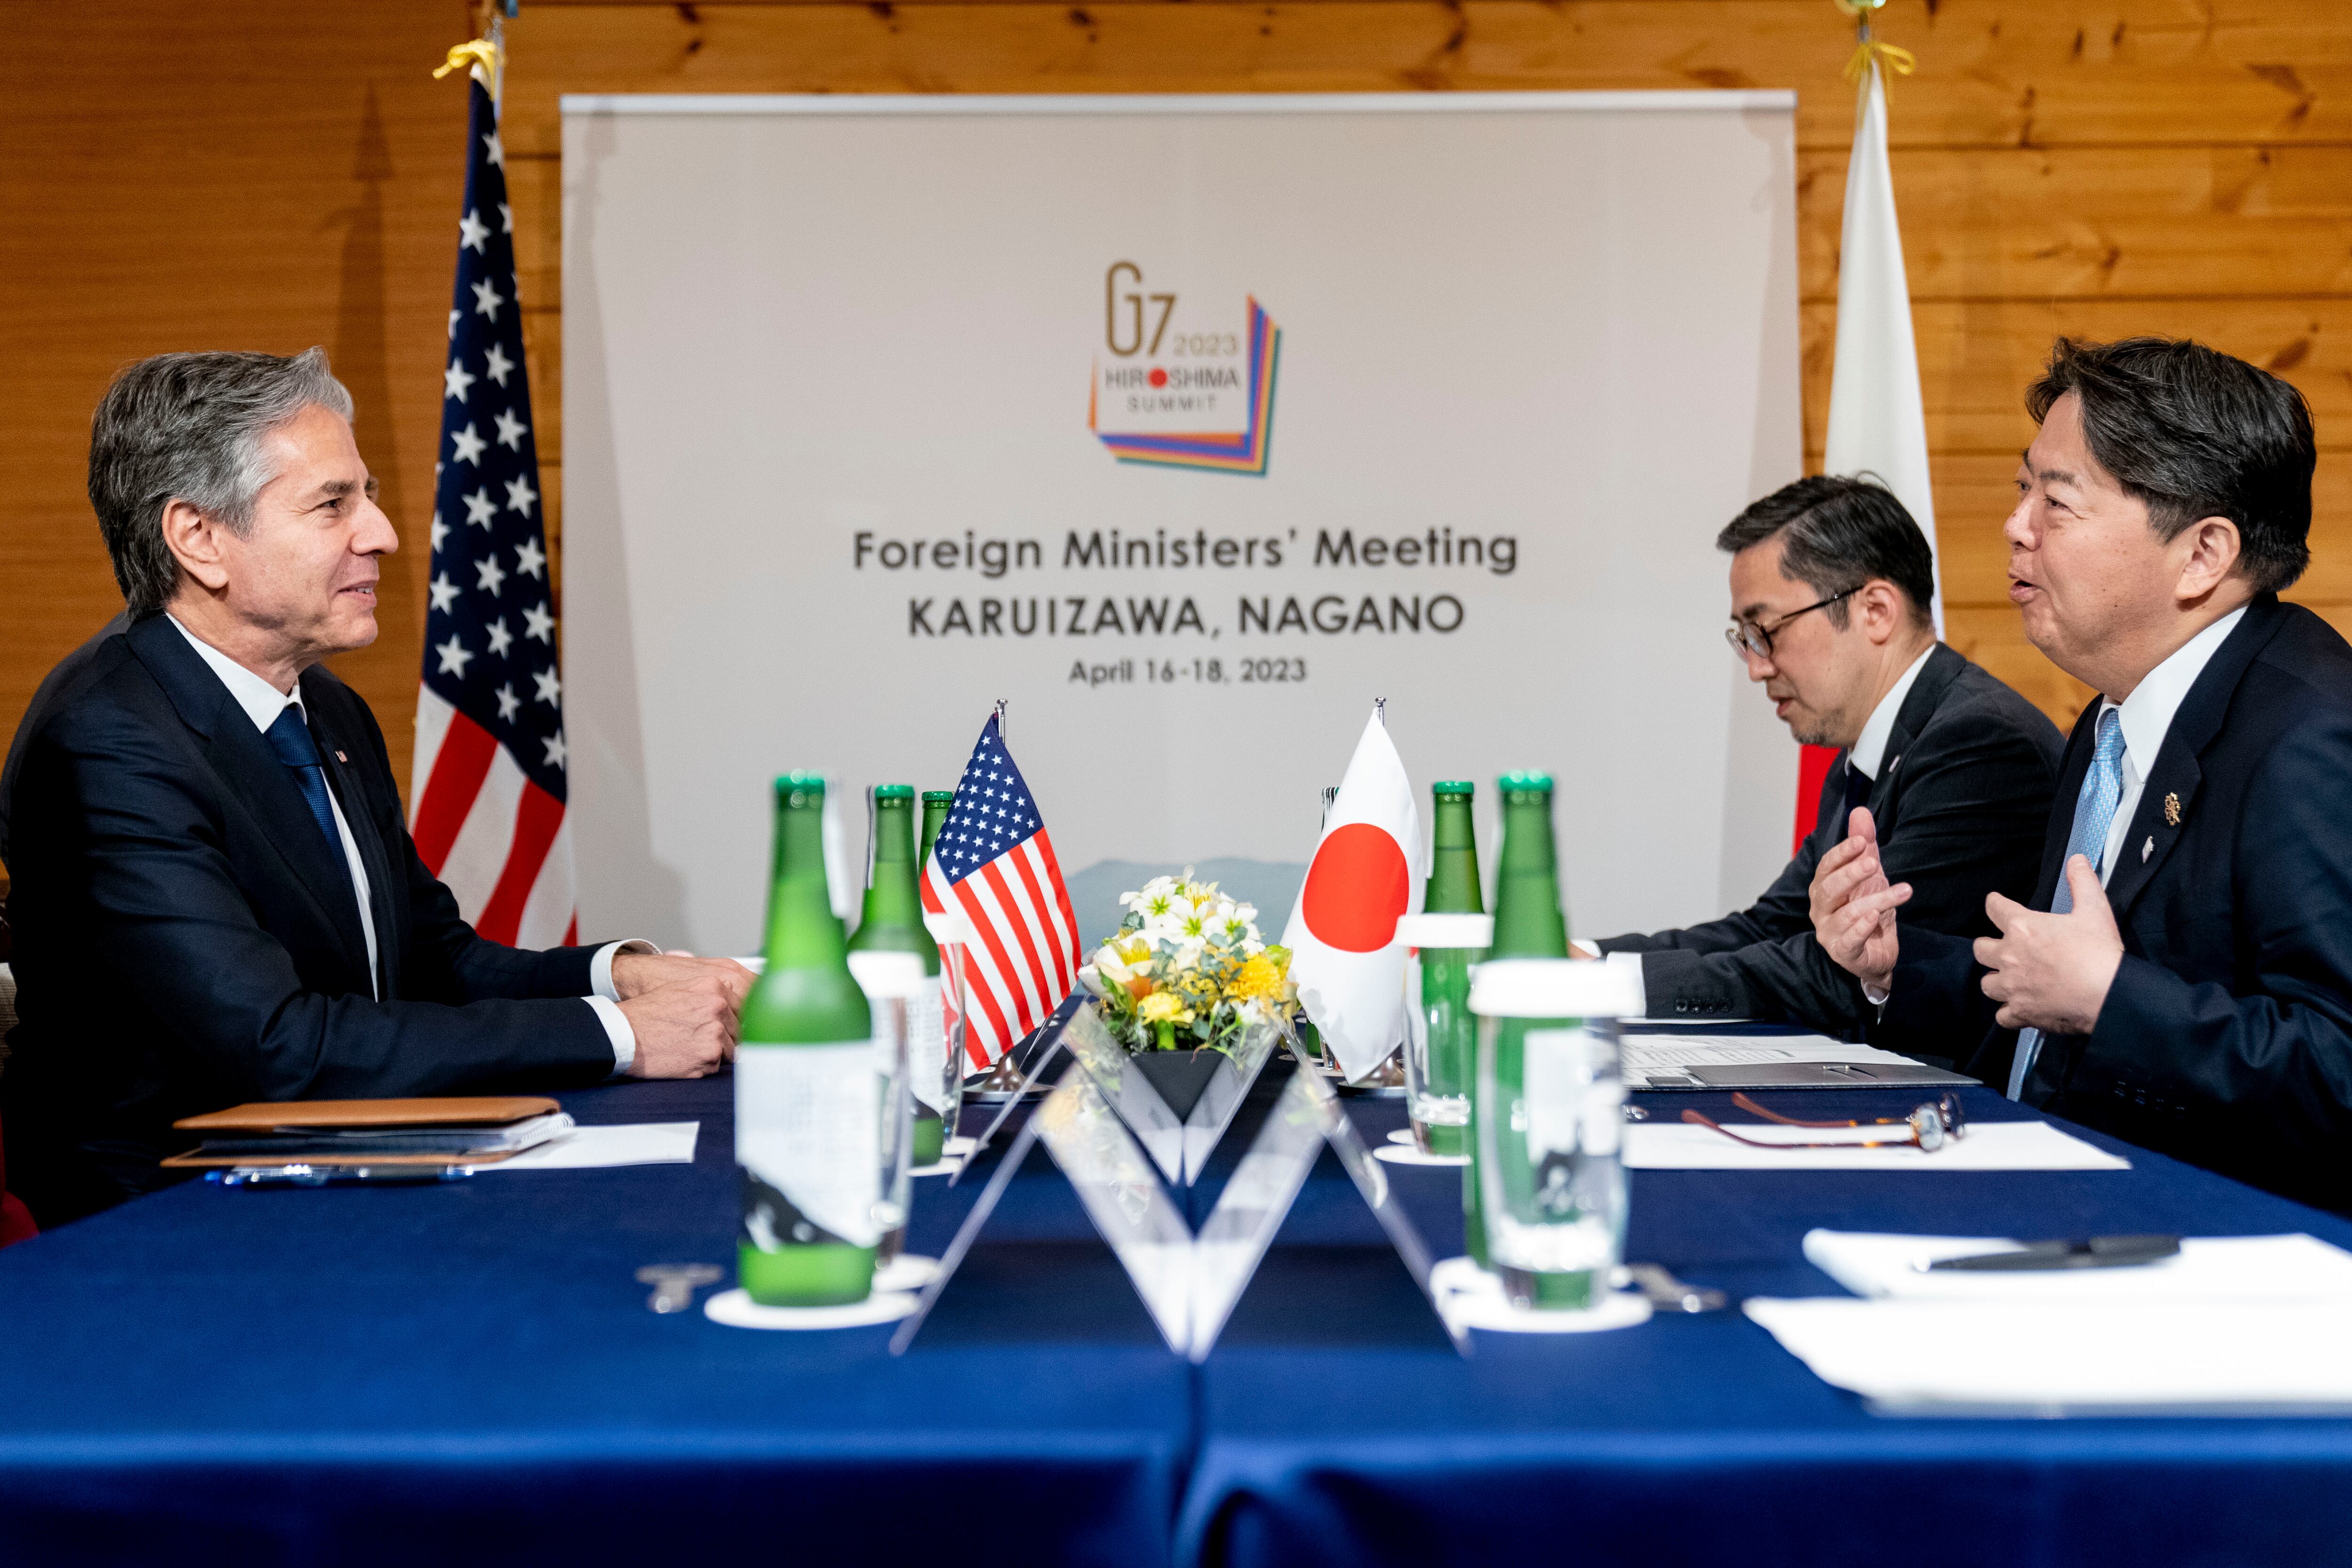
[[1751, 638], [1930, 1126]]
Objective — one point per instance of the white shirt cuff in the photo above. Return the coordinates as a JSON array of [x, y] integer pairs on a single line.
[[1873, 996], [616, 1029], [1583, 949], [605, 1000], [600, 968], [1630, 963]]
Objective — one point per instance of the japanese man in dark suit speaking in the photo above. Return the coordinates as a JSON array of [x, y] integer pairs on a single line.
[[214, 895], [1831, 585], [2181, 976]]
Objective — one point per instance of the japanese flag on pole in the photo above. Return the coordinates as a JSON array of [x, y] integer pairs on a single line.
[[1366, 872], [1878, 421]]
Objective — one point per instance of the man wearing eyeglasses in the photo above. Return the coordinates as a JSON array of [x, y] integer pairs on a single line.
[[2182, 975], [1830, 581]]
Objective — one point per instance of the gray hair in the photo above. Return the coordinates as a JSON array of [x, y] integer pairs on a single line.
[[190, 427]]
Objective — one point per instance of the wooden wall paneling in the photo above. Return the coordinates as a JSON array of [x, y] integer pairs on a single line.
[[1977, 357], [2089, 166], [182, 177], [1991, 72]]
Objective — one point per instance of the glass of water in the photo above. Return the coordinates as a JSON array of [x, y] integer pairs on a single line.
[[1441, 1036], [1550, 1117], [893, 981]]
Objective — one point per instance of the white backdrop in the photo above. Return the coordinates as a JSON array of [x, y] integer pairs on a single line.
[[808, 341]]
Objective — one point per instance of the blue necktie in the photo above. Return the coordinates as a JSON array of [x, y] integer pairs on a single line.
[[290, 738], [2095, 813]]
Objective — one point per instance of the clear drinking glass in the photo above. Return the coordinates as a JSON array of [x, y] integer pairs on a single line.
[[953, 933], [892, 982], [1550, 1118], [1441, 1036]]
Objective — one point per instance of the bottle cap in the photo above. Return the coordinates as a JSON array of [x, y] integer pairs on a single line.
[[800, 781], [1444, 931], [1521, 783], [894, 792], [939, 797], [1454, 786], [1554, 988]]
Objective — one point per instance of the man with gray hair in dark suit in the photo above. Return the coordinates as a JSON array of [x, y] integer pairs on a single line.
[[215, 898]]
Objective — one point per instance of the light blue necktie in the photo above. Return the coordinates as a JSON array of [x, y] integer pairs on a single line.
[[2095, 814]]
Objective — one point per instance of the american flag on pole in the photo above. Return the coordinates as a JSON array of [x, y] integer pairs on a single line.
[[486, 802], [995, 862]]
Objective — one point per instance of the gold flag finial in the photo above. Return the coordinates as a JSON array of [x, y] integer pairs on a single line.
[[482, 58], [1890, 57]]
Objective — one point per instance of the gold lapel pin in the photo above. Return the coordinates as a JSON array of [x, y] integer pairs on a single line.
[[2172, 811]]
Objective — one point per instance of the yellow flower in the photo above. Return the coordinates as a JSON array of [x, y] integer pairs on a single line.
[[1163, 1007], [1264, 975]]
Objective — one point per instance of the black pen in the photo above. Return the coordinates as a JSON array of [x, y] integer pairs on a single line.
[[2096, 1252]]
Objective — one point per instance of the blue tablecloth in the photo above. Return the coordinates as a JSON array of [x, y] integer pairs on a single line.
[[469, 1372]]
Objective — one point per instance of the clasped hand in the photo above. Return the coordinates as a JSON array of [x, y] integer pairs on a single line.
[[682, 1009], [2048, 970]]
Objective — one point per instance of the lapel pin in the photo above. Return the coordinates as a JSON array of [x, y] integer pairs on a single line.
[[340, 758], [1895, 764], [2147, 848], [2172, 811]]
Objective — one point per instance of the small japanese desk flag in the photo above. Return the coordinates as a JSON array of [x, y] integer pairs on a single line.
[[1366, 872]]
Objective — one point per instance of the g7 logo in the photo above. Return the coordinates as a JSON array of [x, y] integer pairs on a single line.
[[1113, 299]]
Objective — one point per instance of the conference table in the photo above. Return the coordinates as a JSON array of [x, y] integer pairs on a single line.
[[469, 1372]]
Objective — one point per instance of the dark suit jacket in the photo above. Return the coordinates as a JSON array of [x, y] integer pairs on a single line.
[[2226, 1038], [187, 940], [1962, 796], [53, 684]]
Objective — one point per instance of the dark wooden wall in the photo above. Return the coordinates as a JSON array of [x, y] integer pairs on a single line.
[[236, 174]]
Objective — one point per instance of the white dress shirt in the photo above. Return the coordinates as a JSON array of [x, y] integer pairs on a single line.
[[1870, 747], [263, 703], [1869, 751]]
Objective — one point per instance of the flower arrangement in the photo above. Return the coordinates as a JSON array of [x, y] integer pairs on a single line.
[[1187, 968]]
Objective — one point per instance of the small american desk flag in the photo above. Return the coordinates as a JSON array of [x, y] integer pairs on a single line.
[[995, 862], [487, 799]]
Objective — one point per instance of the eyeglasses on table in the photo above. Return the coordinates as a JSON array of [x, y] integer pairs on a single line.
[[1929, 1128]]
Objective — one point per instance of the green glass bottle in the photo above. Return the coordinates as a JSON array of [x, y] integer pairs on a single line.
[[807, 1107], [893, 922], [1452, 1035], [936, 803], [1529, 923]]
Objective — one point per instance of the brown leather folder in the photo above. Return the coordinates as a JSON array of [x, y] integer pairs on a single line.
[[449, 1111], [263, 1116]]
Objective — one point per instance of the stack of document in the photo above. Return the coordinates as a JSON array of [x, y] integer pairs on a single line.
[[443, 1131], [2230, 1325], [1659, 1061]]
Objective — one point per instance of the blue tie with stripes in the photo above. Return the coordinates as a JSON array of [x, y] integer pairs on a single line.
[[2095, 813]]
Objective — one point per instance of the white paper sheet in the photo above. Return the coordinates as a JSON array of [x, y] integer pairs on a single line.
[[588, 1148], [2072, 1357], [1644, 1054], [1988, 1146], [2232, 1267]]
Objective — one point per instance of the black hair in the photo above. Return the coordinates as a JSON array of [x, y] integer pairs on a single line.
[[2192, 432], [1837, 534]]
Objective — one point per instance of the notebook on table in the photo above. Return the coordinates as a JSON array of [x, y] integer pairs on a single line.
[[459, 1130]]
